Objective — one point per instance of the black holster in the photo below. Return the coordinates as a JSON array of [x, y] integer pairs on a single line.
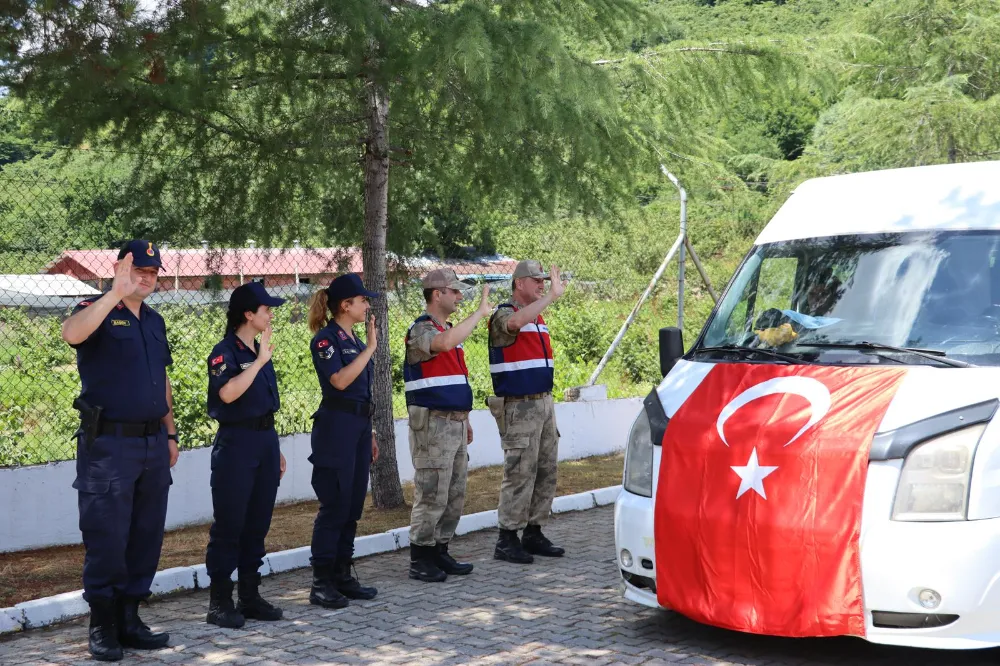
[[90, 420]]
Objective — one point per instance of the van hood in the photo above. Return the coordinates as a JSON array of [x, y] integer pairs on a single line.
[[926, 392], [923, 393]]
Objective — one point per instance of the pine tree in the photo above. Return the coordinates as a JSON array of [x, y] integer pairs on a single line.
[[287, 119]]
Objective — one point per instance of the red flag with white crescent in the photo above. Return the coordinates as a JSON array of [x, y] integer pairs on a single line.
[[758, 503]]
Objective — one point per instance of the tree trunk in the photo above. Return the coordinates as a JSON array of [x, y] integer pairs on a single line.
[[386, 490]]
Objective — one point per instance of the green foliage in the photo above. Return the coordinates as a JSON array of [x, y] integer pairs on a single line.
[[250, 113], [39, 380], [920, 43], [532, 128]]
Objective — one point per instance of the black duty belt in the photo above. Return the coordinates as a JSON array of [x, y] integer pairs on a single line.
[[265, 422], [130, 429], [349, 406]]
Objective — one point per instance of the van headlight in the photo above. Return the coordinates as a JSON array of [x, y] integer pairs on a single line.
[[639, 458], [934, 483]]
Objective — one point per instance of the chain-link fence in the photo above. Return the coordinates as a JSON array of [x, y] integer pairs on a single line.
[[58, 246]]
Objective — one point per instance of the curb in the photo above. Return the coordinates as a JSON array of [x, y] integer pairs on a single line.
[[62, 607]]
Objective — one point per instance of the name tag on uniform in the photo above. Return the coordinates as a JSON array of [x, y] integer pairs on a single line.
[[244, 366], [120, 322], [350, 351]]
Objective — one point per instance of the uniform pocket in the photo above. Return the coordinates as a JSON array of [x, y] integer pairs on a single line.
[[161, 337], [496, 406], [434, 446], [96, 504], [427, 453], [418, 417], [92, 486], [515, 442], [124, 335], [217, 463]]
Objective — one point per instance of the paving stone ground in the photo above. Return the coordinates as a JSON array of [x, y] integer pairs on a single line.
[[557, 611]]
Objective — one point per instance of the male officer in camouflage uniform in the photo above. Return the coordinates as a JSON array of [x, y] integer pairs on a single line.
[[521, 366], [438, 399]]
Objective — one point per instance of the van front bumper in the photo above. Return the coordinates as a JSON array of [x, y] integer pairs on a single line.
[[960, 561]]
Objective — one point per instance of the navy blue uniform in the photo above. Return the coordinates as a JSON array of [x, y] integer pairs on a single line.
[[123, 476], [341, 446], [246, 468]]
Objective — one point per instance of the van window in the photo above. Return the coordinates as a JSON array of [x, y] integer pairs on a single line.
[[936, 291]]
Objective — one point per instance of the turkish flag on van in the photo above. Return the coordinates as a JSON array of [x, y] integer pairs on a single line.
[[758, 504]]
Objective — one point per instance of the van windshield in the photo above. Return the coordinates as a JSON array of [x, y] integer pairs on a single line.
[[844, 299]]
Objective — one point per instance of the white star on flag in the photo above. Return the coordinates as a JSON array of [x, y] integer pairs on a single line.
[[752, 475]]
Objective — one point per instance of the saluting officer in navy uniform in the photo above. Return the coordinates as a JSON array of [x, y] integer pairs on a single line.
[[247, 464], [126, 445], [343, 441]]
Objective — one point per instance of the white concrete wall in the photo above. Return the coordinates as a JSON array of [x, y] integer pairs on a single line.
[[38, 506]]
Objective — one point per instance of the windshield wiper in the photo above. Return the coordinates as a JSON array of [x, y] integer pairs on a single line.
[[788, 358], [932, 354]]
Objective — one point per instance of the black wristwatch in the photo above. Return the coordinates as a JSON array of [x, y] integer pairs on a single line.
[[173, 436]]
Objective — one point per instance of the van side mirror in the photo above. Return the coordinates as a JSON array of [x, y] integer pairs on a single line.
[[671, 348]]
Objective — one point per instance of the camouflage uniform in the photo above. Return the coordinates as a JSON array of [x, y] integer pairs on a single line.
[[530, 440], [438, 447]]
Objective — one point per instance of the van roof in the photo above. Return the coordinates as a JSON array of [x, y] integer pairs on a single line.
[[943, 196]]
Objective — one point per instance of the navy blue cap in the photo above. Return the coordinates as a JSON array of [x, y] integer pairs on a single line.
[[346, 286], [251, 296], [144, 253]]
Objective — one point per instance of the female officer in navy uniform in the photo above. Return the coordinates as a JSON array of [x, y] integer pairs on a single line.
[[343, 442], [247, 464]]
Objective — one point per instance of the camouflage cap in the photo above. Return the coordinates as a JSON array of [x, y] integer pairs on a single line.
[[530, 268], [443, 278]]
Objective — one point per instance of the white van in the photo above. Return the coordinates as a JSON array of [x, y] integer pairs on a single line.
[[860, 334]]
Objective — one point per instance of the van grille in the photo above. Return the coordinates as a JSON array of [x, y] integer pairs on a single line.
[[890, 620]]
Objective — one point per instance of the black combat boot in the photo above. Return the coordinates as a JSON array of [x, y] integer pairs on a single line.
[[509, 548], [448, 564], [423, 564], [221, 610], [132, 632], [535, 542], [103, 643], [348, 585], [250, 604], [324, 593]]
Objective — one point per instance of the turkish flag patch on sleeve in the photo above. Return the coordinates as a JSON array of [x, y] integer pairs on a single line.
[[217, 360], [758, 503], [322, 343]]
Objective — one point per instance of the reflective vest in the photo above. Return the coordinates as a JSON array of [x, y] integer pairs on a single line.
[[525, 367], [442, 382]]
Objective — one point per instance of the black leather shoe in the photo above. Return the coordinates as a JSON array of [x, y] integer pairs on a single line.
[[535, 542], [448, 564], [323, 592], [250, 604], [423, 566], [132, 632], [348, 585], [103, 639], [221, 611], [509, 549]]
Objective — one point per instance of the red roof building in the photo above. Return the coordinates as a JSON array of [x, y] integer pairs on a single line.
[[228, 268]]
